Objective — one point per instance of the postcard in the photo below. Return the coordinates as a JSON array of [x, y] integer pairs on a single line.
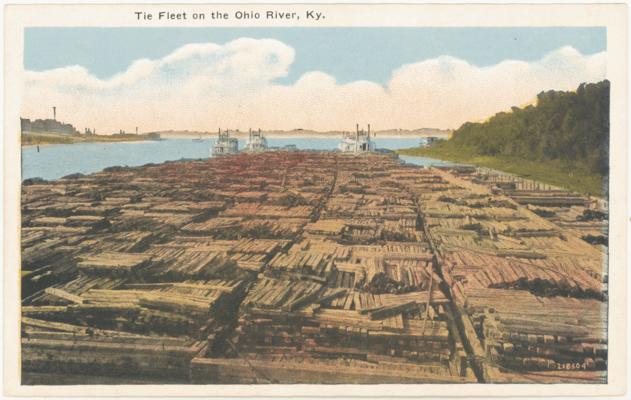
[[315, 199]]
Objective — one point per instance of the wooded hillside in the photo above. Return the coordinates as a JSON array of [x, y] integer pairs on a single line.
[[569, 126]]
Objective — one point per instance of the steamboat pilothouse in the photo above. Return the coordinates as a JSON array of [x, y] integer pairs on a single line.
[[225, 144], [256, 142], [358, 142]]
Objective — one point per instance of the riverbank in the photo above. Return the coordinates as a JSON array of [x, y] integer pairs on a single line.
[[553, 172], [32, 139]]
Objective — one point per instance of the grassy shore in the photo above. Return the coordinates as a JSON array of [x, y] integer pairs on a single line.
[[557, 173], [56, 138]]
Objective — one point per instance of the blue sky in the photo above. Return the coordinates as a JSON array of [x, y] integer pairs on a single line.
[[348, 54]]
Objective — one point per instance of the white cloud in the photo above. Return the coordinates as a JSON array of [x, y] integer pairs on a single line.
[[204, 86]]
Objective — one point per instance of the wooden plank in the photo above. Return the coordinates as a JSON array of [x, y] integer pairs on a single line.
[[62, 294]]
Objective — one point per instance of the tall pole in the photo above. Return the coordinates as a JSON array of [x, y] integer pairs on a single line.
[[55, 113]]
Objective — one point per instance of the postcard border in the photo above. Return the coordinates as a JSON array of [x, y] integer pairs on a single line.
[[612, 16]]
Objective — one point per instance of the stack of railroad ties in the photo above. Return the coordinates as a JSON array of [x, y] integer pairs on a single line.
[[347, 302], [585, 216], [117, 278], [533, 295], [303, 267], [162, 261]]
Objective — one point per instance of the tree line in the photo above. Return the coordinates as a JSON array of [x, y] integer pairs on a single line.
[[572, 127]]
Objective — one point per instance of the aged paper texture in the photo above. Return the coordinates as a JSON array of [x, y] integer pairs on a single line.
[[296, 199]]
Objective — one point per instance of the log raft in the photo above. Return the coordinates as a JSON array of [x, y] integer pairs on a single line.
[[311, 267]]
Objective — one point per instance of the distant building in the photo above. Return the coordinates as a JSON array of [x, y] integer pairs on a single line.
[[47, 126], [225, 145], [256, 142], [154, 136], [358, 142], [432, 139]]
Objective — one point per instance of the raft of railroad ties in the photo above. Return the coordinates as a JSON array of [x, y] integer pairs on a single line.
[[311, 267]]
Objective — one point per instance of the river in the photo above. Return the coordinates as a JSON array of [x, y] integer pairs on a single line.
[[56, 161]]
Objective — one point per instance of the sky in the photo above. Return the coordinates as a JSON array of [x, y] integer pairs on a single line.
[[311, 78]]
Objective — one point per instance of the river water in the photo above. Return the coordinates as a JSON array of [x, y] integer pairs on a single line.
[[56, 161]]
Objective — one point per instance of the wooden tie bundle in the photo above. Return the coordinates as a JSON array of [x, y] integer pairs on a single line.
[[73, 349], [534, 295], [303, 263], [523, 332], [568, 210], [113, 264], [279, 316], [176, 263]]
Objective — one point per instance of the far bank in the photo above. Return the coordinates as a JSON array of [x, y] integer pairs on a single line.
[[44, 138]]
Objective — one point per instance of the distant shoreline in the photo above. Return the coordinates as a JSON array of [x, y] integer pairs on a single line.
[[306, 134], [46, 139], [282, 136], [29, 146]]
